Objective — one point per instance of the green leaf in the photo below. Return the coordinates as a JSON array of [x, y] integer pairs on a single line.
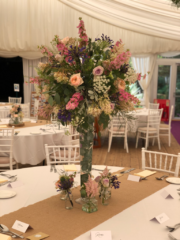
[[66, 99], [50, 100], [66, 91], [57, 98]]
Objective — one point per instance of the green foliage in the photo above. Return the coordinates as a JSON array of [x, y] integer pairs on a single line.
[[104, 119]]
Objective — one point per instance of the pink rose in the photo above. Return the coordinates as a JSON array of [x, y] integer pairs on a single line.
[[76, 80], [105, 182], [98, 71]]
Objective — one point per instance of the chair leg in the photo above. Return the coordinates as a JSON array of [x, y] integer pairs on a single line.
[[146, 145], [110, 141], [137, 138], [153, 141], [169, 138], [127, 149], [159, 145]]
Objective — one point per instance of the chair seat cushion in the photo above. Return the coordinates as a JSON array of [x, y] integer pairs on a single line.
[[4, 160], [117, 129], [164, 126], [144, 129], [62, 154]]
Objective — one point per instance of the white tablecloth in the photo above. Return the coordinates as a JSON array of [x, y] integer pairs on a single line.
[[139, 121], [30, 149], [131, 224]]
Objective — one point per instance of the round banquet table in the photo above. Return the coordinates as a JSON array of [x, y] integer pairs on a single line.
[[132, 223], [30, 149]]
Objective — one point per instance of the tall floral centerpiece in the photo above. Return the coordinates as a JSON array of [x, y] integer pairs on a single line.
[[84, 79]]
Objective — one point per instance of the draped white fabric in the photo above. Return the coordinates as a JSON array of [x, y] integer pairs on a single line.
[[143, 65], [29, 71], [144, 28]]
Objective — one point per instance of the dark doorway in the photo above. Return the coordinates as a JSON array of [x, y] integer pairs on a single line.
[[11, 71]]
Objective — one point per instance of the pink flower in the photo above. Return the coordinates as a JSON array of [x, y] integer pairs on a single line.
[[112, 106], [138, 76], [91, 187], [105, 172], [76, 80], [144, 77], [98, 71], [71, 105], [65, 40], [105, 182]]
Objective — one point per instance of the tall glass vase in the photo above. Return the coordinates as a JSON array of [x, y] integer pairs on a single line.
[[86, 148]]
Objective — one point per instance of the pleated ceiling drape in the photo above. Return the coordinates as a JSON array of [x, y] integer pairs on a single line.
[[25, 24]]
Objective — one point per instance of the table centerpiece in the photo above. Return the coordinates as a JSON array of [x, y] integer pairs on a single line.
[[64, 184], [16, 116], [105, 182], [84, 79]]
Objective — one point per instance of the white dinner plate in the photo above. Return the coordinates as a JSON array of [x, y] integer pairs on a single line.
[[173, 180], [35, 133], [7, 194]]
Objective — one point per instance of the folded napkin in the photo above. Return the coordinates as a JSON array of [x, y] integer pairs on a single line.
[[145, 173], [71, 168], [5, 237], [3, 126], [175, 235], [2, 181]]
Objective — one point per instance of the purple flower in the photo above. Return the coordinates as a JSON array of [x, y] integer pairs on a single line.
[[97, 179], [97, 71]]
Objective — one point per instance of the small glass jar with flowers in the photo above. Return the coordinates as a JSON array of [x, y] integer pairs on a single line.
[[16, 114], [106, 181], [64, 184], [90, 204]]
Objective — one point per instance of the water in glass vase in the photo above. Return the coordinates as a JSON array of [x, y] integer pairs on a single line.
[[69, 200], [90, 205], [105, 197]]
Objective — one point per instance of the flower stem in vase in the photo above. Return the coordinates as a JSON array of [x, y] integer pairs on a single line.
[[86, 148]]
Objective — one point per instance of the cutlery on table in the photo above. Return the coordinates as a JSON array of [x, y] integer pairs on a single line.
[[55, 170], [172, 228], [7, 175], [129, 170], [161, 178], [97, 169], [12, 180], [51, 169], [5, 229]]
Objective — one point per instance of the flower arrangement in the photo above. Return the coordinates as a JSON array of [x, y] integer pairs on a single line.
[[65, 183], [16, 112], [84, 79], [106, 180], [91, 190]]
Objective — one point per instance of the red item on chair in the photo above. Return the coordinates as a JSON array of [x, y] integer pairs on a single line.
[[164, 103]]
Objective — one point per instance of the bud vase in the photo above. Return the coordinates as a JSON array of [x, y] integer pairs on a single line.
[[105, 197], [69, 200], [90, 205]]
